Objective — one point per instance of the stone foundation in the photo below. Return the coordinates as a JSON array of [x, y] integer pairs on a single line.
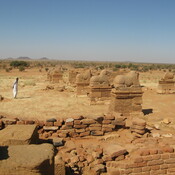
[[99, 94]]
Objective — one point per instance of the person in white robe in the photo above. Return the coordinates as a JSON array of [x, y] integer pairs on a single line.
[[15, 88]]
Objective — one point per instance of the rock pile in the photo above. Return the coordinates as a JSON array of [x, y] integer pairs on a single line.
[[89, 160]]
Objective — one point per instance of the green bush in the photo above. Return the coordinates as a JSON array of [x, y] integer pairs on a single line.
[[21, 68], [19, 64]]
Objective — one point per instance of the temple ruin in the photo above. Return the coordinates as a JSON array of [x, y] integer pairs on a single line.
[[126, 94], [82, 82], [166, 84]]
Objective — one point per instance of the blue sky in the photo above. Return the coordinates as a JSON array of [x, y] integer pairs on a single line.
[[114, 30]]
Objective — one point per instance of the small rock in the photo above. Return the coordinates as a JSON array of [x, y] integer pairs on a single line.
[[167, 135], [157, 126], [51, 120], [166, 121], [155, 135], [57, 142], [69, 120]]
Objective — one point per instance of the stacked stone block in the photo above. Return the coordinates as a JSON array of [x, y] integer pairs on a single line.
[[138, 127], [72, 127]]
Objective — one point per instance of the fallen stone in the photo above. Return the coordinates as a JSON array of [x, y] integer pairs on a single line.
[[57, 142]]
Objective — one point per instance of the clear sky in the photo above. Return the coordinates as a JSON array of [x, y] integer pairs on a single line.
[[114, 30]]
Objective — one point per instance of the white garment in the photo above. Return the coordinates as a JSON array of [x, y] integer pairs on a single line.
[[15, 89]]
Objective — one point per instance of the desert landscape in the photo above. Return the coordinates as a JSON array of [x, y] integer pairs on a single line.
[[101, 117]]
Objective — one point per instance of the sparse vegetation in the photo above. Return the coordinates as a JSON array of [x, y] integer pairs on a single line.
[[17, 64]]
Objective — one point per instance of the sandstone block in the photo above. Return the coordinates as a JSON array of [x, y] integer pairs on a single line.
[[97, 133], [18, 135], [29, 122], [80, 130], [139, 122], [80, 126], [51, 120], [106, 121], [119, 153], [108, 126], [57, 142], [88, 121], [9, 121], [49, 123], [87, 133], [27, 159], [58, 123], [65, 127], [77, 122], [50, 128], [95, 128], [107, 129]]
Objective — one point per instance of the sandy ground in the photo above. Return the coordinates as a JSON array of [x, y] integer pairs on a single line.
[[34, 102]]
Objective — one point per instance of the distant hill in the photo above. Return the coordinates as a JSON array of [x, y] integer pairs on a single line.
[[44, 58], [23, 58]]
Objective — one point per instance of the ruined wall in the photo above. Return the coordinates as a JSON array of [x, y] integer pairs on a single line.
[[148, 162], [73, 127]]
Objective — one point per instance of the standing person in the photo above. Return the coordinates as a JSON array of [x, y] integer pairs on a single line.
[[15, 88]]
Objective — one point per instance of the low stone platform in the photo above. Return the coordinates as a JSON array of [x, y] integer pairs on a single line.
[[18, 135], [27, 159]]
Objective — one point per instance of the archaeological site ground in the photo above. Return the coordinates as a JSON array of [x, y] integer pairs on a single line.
[[87, 118]]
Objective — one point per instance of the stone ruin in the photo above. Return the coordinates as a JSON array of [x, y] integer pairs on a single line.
[[82, 82], [126, 95], [111, 155], [19, 153], [55, 75], [100, 88], [166, 84], [72, 76]]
